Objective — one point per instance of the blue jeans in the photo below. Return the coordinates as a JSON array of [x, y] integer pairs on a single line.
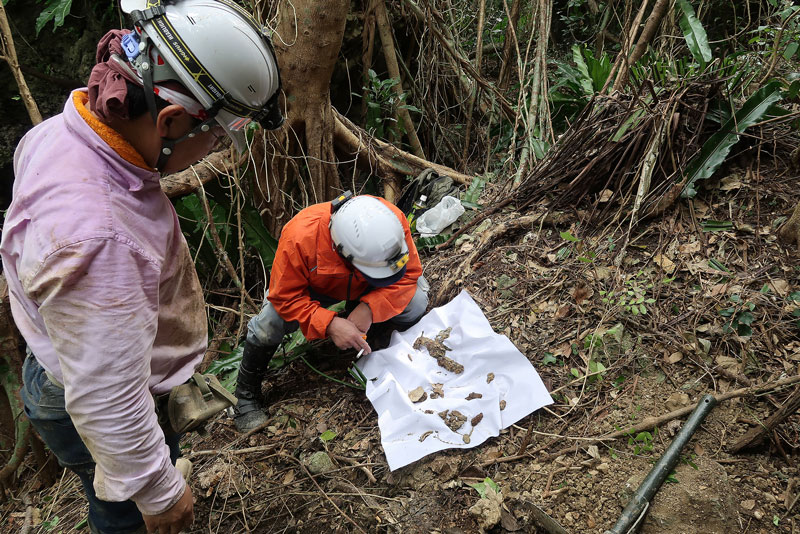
[[44, 406]]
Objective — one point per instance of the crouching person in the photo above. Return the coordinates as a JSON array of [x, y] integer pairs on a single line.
[[354, 249]]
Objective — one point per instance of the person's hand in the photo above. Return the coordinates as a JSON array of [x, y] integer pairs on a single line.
[[176, 518], [346, 335], [361, 316]]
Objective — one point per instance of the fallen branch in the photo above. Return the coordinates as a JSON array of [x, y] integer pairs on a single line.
[[654, 422], [755, 435], [383, 158]]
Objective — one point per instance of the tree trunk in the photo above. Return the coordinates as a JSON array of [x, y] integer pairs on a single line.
[[298, 160]]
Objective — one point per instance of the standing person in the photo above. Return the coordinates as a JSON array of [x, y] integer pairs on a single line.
[[102, 284], [354, 249]]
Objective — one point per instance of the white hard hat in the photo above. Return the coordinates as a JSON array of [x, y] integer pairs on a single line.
[[370, 236], [216, 50]]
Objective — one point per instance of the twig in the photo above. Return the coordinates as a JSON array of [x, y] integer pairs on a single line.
[[509, 44], [448, 45], [356, 463], [222, 255], [653, 22], [236, 452], [10, 55], [27, 525], [308, 474]]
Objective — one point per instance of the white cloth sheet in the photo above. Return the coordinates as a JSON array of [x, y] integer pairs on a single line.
[[393, 372]]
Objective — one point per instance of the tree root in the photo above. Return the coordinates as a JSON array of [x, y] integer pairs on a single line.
[[789, 233], [189, 180]]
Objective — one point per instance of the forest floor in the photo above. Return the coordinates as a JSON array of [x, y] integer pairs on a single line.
[[720, 297]]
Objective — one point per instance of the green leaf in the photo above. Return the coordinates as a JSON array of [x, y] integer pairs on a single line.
[[55, 10], [745, 318], [431, 242], [791, 50], [327, 436], [566, 236], [473, 192], [718, 265], [257, 236], [694, 33], [717, 226], [481, 487], [716, 149], [585, 79], [549, 358], [744, 330]]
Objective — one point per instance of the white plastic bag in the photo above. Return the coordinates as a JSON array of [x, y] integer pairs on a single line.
[[440, 216]]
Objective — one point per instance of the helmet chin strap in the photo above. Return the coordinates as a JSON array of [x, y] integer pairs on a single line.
[[168, 144]]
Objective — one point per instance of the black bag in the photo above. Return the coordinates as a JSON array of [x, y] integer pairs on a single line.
[[430, 183]]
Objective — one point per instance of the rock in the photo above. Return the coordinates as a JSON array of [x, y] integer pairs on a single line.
[[699, 503], [677, 400], [225, 478], [748, 504], [487, 511], [319, 462], [417, 395]]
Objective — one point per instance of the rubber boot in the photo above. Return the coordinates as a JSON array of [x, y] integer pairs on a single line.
[[248, 413]]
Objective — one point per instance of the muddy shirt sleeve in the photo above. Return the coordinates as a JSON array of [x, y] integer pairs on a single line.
[[99, 301]]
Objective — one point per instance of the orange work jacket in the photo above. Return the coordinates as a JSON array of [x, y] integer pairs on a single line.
[[307, 259]]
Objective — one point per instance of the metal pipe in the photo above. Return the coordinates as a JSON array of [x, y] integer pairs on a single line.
[[637, 507]]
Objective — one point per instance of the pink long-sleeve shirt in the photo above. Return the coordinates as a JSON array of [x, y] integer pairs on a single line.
[[104, 291]]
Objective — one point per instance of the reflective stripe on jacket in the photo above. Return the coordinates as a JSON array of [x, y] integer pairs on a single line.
[[306, 259]]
